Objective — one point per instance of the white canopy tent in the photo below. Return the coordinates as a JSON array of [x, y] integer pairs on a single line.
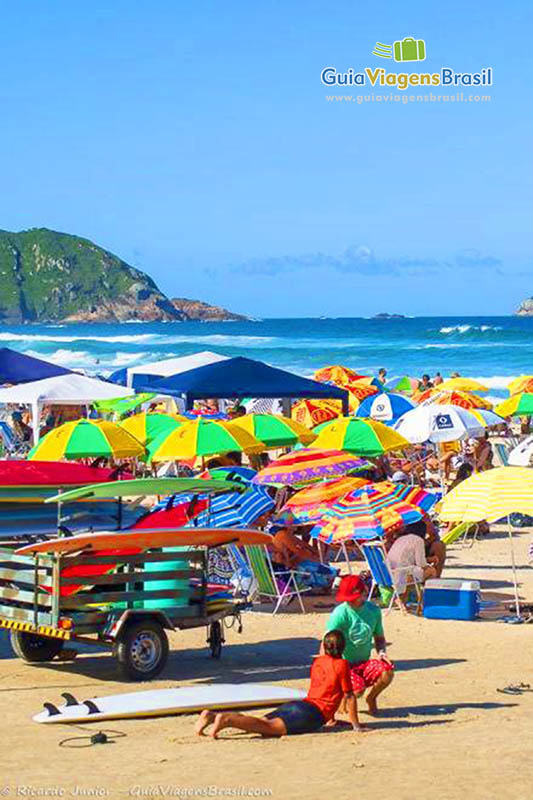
[[71, 389], [173, 366]]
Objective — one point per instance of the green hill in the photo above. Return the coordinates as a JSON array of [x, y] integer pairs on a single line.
[[47, 276]]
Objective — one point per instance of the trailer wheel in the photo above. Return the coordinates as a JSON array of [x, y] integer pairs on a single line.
[[142, 650], [216, 639], [33, 648]]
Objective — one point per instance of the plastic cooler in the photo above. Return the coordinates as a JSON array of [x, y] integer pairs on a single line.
[[448, 598]]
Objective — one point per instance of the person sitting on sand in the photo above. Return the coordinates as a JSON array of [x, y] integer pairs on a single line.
[[360, 622], [330, 684]]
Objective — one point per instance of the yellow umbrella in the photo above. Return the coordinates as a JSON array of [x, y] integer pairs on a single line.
[[522, 384], [202, 437], [314, 412], [491, 496], [454, 397], [463, 385], [337, 374]]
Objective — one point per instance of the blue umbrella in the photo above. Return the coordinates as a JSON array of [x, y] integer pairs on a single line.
[[384, 407], [235, 509]]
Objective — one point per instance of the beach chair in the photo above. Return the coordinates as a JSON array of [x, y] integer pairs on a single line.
[[279, 587], [502, 453], [461, 530], [12, 444], [383, 576]]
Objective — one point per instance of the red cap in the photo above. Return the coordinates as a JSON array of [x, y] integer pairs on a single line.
[[351, 587]]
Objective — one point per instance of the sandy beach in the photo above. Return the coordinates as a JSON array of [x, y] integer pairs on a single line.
[[445, 730]]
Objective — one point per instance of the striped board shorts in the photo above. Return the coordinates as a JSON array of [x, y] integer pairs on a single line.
[[366, 673]]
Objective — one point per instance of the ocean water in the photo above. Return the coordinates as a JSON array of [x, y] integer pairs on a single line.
[[492, 349]]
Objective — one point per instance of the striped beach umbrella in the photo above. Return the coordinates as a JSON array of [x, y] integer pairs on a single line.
[[385, 407], [313, 412], [201, 438], [235, 509], [364, 437], [519, 405], [275, 431], [456, 397], [488, 419], [148, 426], [414, 495], [86, 438], [307, 466], [310, 504], [524, 383], [364, 514]]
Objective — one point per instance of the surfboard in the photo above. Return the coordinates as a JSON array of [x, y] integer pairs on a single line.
[[145, 538], [166, 702]]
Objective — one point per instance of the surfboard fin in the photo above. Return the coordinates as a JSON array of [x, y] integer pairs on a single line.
[[52, 709], [70, 699], [93, 708]]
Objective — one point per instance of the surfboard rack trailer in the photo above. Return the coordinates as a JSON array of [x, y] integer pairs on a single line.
[[123, 600]]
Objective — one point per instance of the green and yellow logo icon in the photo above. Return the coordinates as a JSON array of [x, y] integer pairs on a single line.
[[407, 49]]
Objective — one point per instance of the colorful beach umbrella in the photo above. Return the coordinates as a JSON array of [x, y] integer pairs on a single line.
[[364, 437], [364, 514], [235, 509], [463, 385], [86, 438], [402, 383], [456, 397], [310, 504], [487, 418], [414, 495], [275, 430], [358, 393], [336, 374], [307, 466], [519, 405], [148, 426], [435, 423], [201, 438], [385, 407], [314, 412], [524, 383]]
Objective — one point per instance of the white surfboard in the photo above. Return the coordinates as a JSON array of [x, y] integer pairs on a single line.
[[165, 702]]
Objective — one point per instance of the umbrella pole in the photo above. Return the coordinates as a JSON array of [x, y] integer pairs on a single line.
[[513, 563]]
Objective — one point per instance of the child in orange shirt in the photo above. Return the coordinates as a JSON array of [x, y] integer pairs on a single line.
[[330, 684]]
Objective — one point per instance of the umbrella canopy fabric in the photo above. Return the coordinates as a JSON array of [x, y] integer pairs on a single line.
[[307, 466], [17, 368], [148, 426], [385, 407], [519, 405], [143, 373], [435, 423], [337, 374], [310, 504], [275, 431], [313, 412], [234, 510], [85, 438], [456, 397], [488, 419], [364, 514], [200, 438], [414, 495], [490, 495], [524, 383], [359, 392], [364, 437], [463, 385], [402, 383], [520, 456]]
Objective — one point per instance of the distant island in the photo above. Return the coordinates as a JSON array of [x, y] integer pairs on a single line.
[[46, 276], [384, 315], [525, 309]]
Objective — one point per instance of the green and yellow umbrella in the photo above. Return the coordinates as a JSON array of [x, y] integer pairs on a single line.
[[363, 436], [524, 383], [86, 438], [148, 426], [275, 430], [200, 438], [519, 405]]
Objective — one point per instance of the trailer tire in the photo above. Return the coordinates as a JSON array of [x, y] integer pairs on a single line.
[[34, 649], [141, 650]]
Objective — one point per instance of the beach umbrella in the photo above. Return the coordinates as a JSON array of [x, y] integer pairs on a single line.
[[456, 397], [275, 431], [310, 504], [364, 514], [234, 509], [402, 384], [201, 438], [524, 383], [434, 423], [365, 437], [314, 412], [488, 419], [414, 495], [519, 405], [364, 380], [336, 374], [520, 456], [148, 426], [385, 407], [86, 438], [492, 495], [307, 466], [358, 393], [463, 385]]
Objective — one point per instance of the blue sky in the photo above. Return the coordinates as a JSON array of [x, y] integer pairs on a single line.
[[195, 141]]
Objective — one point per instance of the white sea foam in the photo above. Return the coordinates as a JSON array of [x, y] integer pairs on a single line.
[[40, 337], [496, 381], [466, 328]]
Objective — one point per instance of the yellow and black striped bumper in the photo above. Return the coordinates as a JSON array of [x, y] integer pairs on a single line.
[[41, 630]]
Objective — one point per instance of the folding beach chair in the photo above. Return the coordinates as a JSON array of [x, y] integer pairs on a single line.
[[502, 453], [12, 444], [277, 586], [383, 576], [461, 530]]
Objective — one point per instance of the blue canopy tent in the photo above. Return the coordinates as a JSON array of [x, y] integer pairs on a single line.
[[17, 368], [239, 378]]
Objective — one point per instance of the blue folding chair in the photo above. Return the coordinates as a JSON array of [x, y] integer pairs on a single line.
[[383, 576]]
